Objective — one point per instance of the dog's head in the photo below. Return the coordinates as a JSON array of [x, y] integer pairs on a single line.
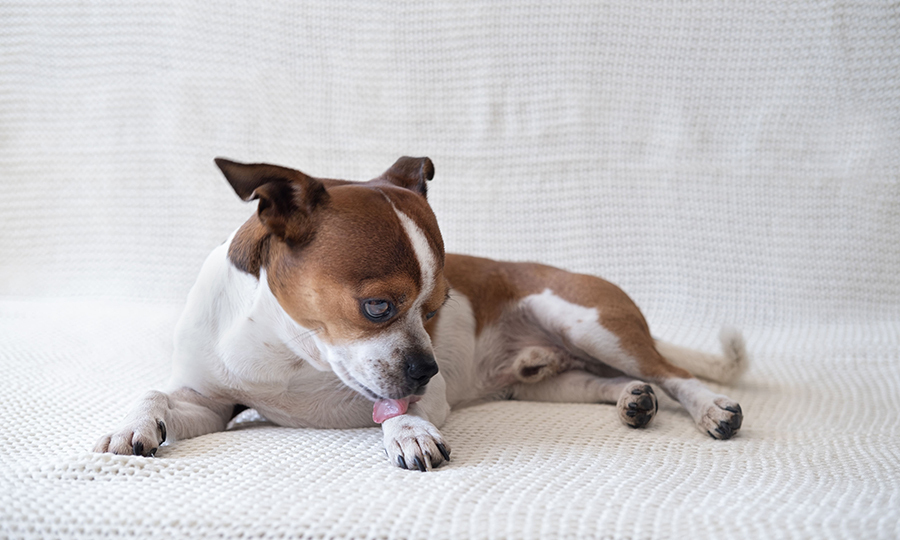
[[361, 263]]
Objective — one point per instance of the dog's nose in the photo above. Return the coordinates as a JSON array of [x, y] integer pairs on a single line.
[[420, 367]]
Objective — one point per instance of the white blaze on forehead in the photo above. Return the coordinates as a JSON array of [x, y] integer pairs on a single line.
[[424, 254]]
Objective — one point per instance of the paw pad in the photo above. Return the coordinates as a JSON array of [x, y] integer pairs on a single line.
[[637, 405]]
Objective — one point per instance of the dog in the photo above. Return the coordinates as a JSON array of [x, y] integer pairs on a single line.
[[335, 306]]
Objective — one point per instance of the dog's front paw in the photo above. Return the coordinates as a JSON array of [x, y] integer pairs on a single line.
[[411, 442], [722, 419], [637, 404], [141, 438]]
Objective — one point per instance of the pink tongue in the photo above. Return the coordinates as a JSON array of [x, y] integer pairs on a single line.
[[385, 409]]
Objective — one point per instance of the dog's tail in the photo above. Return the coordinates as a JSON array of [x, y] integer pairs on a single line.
[[722, 368]]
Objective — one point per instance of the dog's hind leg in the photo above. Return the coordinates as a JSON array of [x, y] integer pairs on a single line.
[[158, 417], [635, 400], [612, 331]]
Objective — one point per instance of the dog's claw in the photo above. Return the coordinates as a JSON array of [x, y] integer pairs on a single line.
[[162, 431], [419, 464], [138, 448], [725, 430], [444, 451], [401, 462]]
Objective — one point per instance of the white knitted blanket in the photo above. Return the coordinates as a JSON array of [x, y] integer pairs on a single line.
[[724, 162]]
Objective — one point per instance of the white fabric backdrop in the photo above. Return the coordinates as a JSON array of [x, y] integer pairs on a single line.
[[723, 162]]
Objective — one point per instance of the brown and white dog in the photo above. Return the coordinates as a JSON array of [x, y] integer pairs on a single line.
[[334, 306]]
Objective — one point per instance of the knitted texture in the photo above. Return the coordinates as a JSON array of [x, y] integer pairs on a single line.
[[723, 162], [817, 456]]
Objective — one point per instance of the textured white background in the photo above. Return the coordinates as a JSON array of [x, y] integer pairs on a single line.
[[724, 162]]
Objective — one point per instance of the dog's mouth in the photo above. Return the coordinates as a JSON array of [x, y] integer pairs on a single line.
[[385, 409]]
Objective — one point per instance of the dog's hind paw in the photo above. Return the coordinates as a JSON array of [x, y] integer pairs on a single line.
[[637, 404], [722, 419], [411, 442]]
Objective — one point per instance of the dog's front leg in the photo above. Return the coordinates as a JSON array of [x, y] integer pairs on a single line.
[[412, 440], [158, 417]]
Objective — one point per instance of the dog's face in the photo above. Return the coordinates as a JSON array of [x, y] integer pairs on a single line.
[[359, 263]]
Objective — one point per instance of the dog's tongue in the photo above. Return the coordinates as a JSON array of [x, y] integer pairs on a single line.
[[385, 409]]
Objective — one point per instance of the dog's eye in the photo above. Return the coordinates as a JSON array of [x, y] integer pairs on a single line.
[[378, 310], [430, 315]]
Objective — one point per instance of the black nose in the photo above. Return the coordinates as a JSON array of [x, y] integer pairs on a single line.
[[420, 367]]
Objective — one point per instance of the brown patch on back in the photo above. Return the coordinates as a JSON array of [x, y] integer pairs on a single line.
[[492, 286], [487, 284]]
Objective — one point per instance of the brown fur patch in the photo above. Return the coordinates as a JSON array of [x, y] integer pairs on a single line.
[[493, 287]]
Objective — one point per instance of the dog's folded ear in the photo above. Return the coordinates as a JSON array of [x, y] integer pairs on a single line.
[[287, 198], [410, 173]]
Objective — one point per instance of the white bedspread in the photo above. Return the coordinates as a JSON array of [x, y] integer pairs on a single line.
[[724, 162]]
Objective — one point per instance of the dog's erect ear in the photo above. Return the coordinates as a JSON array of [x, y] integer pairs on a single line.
[[286, 197], [410, 173]]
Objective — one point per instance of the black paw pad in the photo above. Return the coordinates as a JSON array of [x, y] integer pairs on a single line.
[[638, 406]]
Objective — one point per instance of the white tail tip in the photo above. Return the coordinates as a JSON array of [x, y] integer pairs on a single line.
[[734, 348], [723, 368]]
